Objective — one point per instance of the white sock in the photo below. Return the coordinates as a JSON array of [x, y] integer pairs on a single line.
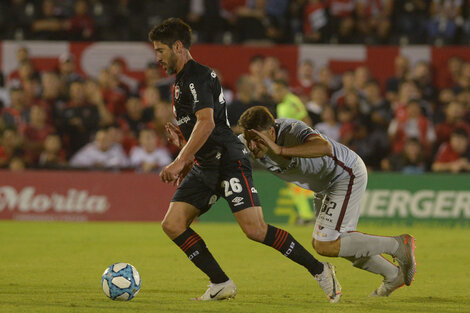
[[376, 264], [359, 245]]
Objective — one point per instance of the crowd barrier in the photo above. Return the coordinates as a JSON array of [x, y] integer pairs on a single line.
[[109, 196]]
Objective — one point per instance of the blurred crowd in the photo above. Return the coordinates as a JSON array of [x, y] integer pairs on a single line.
[[60, 119], [240, 21]]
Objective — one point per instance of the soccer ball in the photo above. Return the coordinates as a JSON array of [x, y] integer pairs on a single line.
[[121, 281]]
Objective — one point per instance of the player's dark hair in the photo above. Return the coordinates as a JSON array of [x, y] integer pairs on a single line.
[[170, 31], [258, 118]]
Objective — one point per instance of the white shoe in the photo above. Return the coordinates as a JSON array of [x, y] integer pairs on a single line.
[[328, 282], [226, 290], [405, 257], [387, 287]]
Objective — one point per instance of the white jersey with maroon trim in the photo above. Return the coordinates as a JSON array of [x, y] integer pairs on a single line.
[[316, 174]]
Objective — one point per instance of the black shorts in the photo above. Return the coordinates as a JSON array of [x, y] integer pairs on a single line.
[[232, 181]]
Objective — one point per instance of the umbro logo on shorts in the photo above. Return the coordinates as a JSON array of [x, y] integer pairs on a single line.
[[237, 201], [253, 190]]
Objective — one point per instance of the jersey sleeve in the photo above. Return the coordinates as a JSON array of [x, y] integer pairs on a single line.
[[201, 93], [302, 131]]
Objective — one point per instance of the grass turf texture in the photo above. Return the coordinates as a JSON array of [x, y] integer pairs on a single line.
[[57, 267]]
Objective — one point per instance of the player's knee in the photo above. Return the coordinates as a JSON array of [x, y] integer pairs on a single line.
[[172, 228], [255, 233], [325, 248]]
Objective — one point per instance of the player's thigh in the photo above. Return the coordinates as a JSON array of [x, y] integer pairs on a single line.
[[341, 207], [236, 186]]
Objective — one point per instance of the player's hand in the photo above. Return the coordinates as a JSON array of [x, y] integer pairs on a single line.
[[173, 171], [173, 134], [267, 141]]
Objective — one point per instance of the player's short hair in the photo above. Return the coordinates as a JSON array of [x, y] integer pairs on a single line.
[[170, 31], [258, 118]]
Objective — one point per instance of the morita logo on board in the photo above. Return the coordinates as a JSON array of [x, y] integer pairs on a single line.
[[73, 201]]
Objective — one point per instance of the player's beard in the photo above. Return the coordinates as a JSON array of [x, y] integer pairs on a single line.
[[171, 65]]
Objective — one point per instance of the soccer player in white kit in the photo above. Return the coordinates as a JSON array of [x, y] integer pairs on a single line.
[[296, 153]]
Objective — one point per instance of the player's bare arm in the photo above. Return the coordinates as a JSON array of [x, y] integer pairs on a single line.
[[202, 130], [174, 135], [315, 146]]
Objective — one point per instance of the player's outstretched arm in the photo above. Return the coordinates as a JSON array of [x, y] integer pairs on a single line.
[[314, 147]]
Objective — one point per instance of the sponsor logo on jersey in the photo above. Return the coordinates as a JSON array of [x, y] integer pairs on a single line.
[[237, 201], [253, 190], [213, 74], [218, 155], [245, 151], [183, 120], [193, 92], [177, 92]]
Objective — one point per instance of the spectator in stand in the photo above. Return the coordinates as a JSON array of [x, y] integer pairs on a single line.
[[116, 69], [244, 100], [423, 80], [49, 24], [445, 15], [373, 20], [315, 21], [348, 84], [78, 120], [453, 156], [22, 56], [51, 99], [148, 156], [342, 20], [407, 92], [153, 78], [163, 114], [317, 102], [288, 104], [101, 153], [114, 94], [409, 161], [410, 20], [413, 125], [446, 96], [24, 73], [464, 79], [10, 146], [17, 15], [251, 21], [455, 118], [361, 77], [67, 71], [15, 115], [454, 68], [380, 111], [35, 133], [17, 164], [393, 84], [136, 117], [94, 97], [81, 26], [348, 125], [52, 156], [328, 79], [329, 126], [305, 80], [271, 67]]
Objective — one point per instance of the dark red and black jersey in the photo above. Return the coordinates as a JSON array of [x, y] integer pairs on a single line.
[[197, 87]]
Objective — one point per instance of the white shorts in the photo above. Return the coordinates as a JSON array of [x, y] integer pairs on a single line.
[[338, 209]]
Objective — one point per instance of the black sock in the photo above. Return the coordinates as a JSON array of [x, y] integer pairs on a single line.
[[286, 244], [197, 252]]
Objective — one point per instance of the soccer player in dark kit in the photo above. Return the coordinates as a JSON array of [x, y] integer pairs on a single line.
[[212, 163]]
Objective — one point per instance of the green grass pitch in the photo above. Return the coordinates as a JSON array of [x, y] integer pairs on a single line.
[[57, 267]]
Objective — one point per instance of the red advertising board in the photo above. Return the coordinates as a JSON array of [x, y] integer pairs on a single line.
[[83, 196]]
